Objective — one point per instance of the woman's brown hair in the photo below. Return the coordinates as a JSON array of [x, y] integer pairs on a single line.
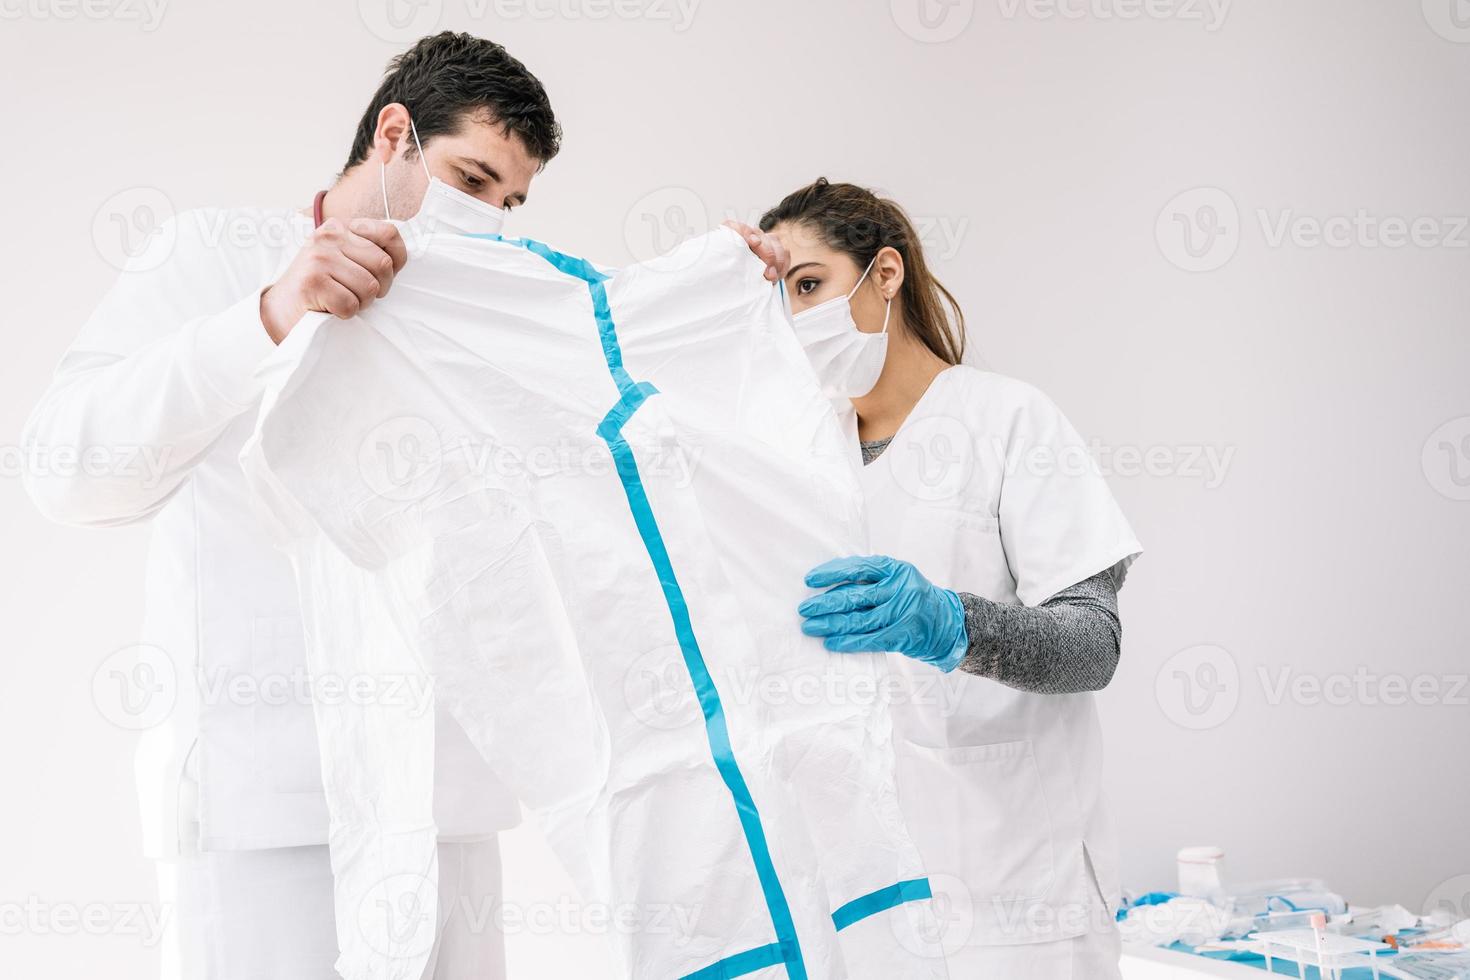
[[855, 221]]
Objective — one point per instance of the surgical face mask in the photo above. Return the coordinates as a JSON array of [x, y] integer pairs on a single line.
[[847, 360], [443, 207]]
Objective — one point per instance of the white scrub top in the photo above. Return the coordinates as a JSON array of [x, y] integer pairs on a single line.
[[988, 489]]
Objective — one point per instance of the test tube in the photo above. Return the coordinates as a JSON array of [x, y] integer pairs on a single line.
[[1319, 924]]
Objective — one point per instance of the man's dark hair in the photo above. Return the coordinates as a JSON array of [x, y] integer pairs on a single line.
[[448, 79]]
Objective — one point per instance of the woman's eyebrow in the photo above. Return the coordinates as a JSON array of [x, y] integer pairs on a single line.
[[795, 269]]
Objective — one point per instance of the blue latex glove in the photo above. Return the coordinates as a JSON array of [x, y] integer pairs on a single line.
[[878, 603]]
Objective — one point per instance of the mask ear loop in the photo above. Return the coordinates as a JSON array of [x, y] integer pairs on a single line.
[[415, 130], [383, 169], [851, 292], [888, 302]]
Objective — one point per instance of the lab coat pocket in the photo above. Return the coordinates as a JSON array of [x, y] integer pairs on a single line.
[[958, 549], [983, 826]]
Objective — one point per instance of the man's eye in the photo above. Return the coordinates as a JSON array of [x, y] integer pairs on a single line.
[[471, 181]]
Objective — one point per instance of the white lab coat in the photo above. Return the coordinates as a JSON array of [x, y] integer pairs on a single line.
[[988, 489], [161, 376]]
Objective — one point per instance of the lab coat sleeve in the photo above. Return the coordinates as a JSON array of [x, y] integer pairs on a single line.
[[159, 370], [1059, 522]]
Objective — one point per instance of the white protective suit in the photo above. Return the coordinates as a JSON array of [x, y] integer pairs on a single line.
[[584, 504]]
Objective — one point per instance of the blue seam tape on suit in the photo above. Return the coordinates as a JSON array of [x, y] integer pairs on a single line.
[[787, 949], [913, 890], [741, 964]]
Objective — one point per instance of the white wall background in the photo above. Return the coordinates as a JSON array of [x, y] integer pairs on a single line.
[[1044, 145]]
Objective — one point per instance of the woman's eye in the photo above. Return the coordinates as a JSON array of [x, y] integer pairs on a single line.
[[805, 286]]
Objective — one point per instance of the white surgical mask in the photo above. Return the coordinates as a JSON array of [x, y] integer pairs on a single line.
[[447, 209], [847, 360]]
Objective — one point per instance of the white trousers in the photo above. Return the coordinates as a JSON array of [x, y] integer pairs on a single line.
[[267, 915]]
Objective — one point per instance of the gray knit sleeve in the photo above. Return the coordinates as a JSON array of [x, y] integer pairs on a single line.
[[1068, 644]]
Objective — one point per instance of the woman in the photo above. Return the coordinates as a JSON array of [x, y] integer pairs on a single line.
[[998, 552]]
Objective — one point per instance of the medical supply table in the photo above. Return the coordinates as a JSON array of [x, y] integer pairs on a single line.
[[1178, 963]]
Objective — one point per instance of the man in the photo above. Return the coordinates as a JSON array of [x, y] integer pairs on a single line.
[[230, 783]]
